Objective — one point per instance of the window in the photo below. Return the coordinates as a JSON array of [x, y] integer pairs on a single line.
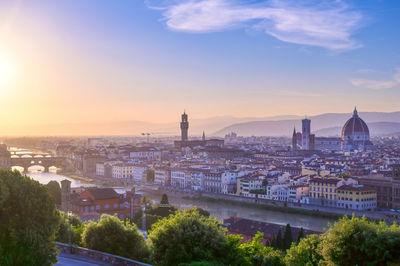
[[97, 207], [107, 206], [115, 205]]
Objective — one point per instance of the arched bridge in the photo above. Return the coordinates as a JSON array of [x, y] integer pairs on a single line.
[[28, 161]]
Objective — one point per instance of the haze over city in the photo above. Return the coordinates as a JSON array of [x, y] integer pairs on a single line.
[[90, 62]]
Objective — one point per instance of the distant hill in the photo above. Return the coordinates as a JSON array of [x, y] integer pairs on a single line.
[[375, 129], [324, 125], [196, 127], [329, 124]]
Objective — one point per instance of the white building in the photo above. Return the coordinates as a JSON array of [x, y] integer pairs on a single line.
[[139, 173], [162, 176], [145, 153], [197, 179], [122, 171], [213, 181], [229, 180], [250, 184], [180, 178], [100, 169]]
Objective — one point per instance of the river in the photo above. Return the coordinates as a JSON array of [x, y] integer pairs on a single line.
[[220, 210]]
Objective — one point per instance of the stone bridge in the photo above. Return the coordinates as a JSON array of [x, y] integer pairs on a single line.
[[27, 161]]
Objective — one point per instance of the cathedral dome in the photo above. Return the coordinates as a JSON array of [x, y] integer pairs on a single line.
[[355, 133], [355, 127]]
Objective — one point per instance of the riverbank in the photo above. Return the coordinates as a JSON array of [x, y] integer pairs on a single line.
[[80, 178], [283, 209]]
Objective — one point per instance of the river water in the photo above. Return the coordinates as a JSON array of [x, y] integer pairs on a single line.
[[219, 210]]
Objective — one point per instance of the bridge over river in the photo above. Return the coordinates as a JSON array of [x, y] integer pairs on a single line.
[[25, 159]]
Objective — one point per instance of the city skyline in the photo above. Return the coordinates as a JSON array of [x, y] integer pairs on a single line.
[[80, 62]]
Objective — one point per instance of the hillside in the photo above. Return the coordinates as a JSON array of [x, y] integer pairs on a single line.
[[328, 124]]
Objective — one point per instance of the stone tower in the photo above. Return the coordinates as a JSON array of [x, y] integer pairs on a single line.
[[65, 195], [184, 127], [306, 124]]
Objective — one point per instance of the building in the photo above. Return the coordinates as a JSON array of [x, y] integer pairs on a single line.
[[100, 169], [294, 140], [322, 191], [325, 143], [356, 197], [306, 132], [383, 187], [213, 181], [296, 193], [122, 171], [139, 172], [355, 134], [185, 142], [251, 184], [90, 161], [162, 175], [249, 228], [5, 157], [184, 127], [180, 178], [93, 202], [145, 153]]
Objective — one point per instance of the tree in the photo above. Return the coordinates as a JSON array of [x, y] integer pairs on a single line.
[[256, 253], [300, 235], [28, 220], [287, 237], [55, 190], [185, 237], [164, 201], [150, 175], [306, 252], [77, 228], [279, 240], [357, 241], [111, 235]]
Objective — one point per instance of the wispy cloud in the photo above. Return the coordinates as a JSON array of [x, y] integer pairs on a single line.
[[328, 24], [378, 84]]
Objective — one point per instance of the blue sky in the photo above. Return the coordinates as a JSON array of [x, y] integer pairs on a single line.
[[148, 60]]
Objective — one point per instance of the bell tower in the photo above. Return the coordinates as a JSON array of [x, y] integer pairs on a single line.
[[184, 127]]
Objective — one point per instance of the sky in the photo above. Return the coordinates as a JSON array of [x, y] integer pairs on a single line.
[[73, 61]]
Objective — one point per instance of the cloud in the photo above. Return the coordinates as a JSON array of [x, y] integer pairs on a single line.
[[327, 24], [378, 84]]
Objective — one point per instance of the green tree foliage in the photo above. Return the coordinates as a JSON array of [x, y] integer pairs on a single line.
[[350, 241], [55, 190], [150, 175], [28, 221], [279, 240], [256, 253], [111, 235], [306, 252], [164, 200], [300, 234], [356, 241], [77, 228], [185, 237], [287, 237]]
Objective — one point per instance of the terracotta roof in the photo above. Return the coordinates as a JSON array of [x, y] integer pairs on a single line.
[[251, 227], [103, 193]]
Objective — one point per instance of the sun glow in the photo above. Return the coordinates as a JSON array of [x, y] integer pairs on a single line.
[[7, 71]]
